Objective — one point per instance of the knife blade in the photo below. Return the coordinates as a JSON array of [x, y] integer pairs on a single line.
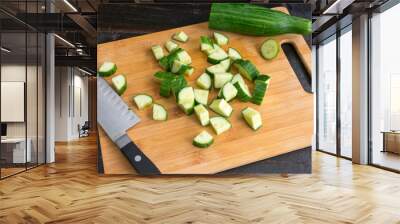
[[115, 117]]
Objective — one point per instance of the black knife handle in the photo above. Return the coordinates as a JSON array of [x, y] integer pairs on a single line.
[[142, 164]]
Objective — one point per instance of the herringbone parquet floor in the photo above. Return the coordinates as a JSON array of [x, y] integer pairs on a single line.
[[70, 191]]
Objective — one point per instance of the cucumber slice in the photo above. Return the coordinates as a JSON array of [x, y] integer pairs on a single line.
[[203, 140], [184, 57], [234, 54], [142, 101], [220, 124], [159, 112], [206, 44], [119, 84], [180, 36], [221, 107], [201, 96], [217, 56], [220, 79], [157, 52], [264, 78], [237, 78], [252, 118], [220, 38], [260, 88], [186, 100], [202, 114], [180, 68], [270, 49], [243, 93], [247, 69], [229, 91], [170, 45], [204, 81], [107, 69]]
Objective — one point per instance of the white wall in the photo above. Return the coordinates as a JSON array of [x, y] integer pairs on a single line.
[[70, 83]]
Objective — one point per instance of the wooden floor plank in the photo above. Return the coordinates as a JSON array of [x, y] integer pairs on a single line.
[[71, 191]]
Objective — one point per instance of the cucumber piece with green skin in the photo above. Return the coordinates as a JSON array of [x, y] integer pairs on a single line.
[[201, 96], [157, 52], [170, 45], [260, 88], [255, 20], [142, 101], [217, 56], [167, 62], [252, 118], [220, 124], [206, 44], [181, 68], [234, 54], [203, 140], [221, 107], [247, 69], [184, 57], [186, 100], [223, 66], [119, 84], [159, 112], [270, 49], [243, 93], [204, 81], [107, 69], [180, 36], [229, 91], [220, 38], [264, 78], [202, 114], [220, 79], [237, 78]]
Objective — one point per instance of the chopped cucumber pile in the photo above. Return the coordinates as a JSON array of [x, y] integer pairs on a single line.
[[177, 66], [142, 101], [203, 140], [107, 69], [159, 112], [119, 84]]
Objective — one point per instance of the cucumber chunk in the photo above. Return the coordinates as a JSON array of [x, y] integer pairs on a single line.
[[202, 114], [234, 54], [229, 92], [201, 96], [220, 79], [237, 78], [180, 36], [184, 57], [142, 101], [221, 107], [220, 38], [217, 56], [270, 49], [159, 112], [264, 78], [157, 52], [186, 100], [243, 93], [260, 88], [119, 84], [206, 44], [223, 66], [220, 124], [107, 69], [180, 68], [252, 118], [247, 69], [170, 45], [203, 140], [204, 81]]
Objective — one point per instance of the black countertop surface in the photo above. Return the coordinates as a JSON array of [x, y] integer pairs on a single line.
[[118, 21]]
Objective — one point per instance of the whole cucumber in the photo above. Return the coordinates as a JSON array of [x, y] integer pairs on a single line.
[[255, 20]]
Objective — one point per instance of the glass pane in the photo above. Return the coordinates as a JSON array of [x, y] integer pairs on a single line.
[[327, 96], [346, 94], [41, 98], [13, 87], [385, 114]]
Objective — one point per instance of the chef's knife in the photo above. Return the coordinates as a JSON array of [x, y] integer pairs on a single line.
[[116, 118]]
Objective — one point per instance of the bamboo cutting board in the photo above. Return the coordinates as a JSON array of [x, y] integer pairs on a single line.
[[287, 111]]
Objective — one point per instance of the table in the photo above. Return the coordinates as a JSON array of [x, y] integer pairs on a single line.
[[16, 147], [391, 141]]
